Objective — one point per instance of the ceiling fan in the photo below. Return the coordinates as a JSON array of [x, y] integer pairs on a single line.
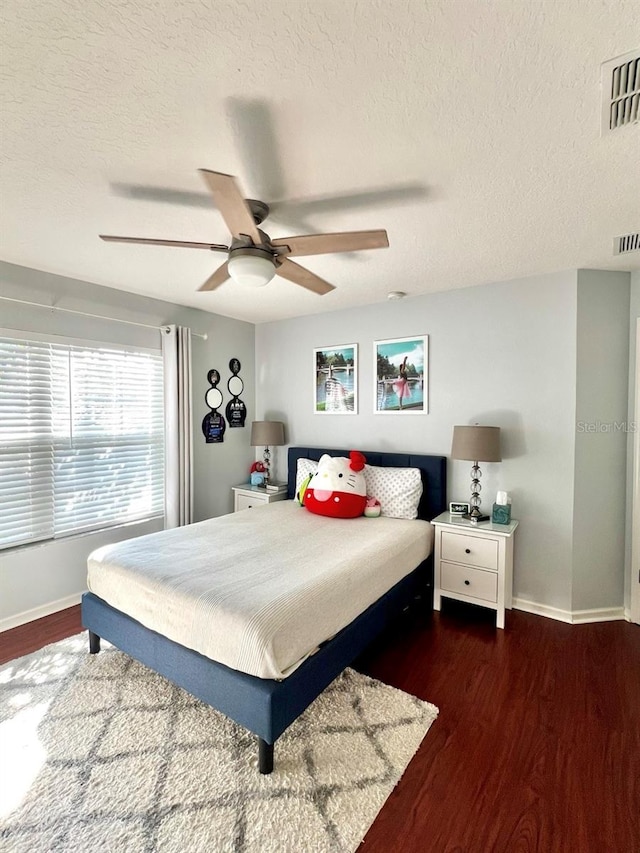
[[254, 258]]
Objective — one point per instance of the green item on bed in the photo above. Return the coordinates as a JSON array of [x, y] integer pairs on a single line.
[[303, 488]]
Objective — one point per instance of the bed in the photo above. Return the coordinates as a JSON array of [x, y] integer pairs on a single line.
[[265, 706]]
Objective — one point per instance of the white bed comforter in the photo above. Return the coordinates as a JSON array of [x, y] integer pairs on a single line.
[[258, 590]]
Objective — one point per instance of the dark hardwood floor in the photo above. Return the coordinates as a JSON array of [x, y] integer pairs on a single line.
[[537, 745], [34, 635]]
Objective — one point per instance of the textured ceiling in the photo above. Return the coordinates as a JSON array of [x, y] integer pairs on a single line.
[[468, 129]]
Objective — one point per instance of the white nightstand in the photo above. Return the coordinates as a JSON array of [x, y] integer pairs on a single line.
[[247, 496], [474, 562]]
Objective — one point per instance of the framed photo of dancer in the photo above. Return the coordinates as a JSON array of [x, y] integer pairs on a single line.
[[335, 376], [401, 371]]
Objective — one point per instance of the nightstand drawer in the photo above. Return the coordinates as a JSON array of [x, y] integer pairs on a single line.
[[249, 501], [471, 550], [465, 581], [247, 497]]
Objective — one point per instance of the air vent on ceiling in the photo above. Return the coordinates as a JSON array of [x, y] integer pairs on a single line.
[[621, 91], [627, 243]]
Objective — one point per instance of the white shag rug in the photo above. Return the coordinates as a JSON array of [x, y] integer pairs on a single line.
[[99, 753]]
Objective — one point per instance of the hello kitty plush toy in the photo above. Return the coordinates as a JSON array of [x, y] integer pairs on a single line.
[[338, 488]]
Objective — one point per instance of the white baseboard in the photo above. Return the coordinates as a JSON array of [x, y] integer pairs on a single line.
[[39, 612], [542, 610], [572, 617], [601, 614], [576, 617]]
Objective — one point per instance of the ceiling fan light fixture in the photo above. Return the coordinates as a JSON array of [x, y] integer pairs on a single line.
[[252, 269]]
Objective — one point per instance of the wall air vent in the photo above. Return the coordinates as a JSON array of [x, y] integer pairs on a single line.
[[627, 243], [621, 91]]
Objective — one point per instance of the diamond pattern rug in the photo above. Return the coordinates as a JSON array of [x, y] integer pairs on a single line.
[[101, 754]]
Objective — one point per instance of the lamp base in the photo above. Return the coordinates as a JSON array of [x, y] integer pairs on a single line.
[[266, 461], [476, 518]]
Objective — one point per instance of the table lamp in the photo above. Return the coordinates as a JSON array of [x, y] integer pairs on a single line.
[[267, 433], [477, 444]]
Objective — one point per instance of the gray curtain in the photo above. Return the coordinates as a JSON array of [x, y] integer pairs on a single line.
[[178, 466]]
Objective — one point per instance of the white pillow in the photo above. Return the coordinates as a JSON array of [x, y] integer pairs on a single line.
[[398, 489], [305, 467]]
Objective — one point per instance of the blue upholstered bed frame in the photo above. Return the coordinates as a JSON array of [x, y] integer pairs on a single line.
[[268, 707]]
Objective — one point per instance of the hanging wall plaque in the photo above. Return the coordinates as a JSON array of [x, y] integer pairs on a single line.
[[236, 410], [213, 424]]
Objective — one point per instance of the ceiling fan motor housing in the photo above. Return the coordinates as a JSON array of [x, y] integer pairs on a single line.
[[259, 210]]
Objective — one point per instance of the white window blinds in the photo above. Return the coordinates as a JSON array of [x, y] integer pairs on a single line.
[[81, 438]]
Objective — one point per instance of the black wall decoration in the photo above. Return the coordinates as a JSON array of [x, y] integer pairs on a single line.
[[213, 424], [236, 410]]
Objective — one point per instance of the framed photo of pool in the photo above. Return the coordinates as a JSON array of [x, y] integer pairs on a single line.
[[335, 376], [401, 370]]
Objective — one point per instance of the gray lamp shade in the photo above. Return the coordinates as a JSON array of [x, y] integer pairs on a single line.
[[476, 443], [267, 434]]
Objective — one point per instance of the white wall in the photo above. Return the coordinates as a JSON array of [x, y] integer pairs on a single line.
[[32, 578], [502, 354], [602, 396]]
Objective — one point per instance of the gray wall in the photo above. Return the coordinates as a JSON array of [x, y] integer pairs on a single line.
[[602, 395], [501, 354], [35, 576], [634, 314]]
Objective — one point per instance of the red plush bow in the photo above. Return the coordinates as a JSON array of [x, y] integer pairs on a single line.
[[357, 460]]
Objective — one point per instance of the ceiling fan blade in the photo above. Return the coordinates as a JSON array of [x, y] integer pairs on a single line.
[[375, 197], [322, 244], [217, 278], [184, 244], [231, 204], [302, 276], [162, 195], [253, 127]]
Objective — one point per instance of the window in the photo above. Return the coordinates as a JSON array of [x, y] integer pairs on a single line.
[[81, 438]]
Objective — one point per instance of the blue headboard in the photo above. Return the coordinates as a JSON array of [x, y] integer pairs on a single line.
[[432, 468]]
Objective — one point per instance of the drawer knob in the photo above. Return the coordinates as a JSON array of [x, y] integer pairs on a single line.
[[467, 583], [467, 550]]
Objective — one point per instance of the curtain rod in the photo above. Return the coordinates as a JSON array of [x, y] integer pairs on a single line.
[[95, 316]]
